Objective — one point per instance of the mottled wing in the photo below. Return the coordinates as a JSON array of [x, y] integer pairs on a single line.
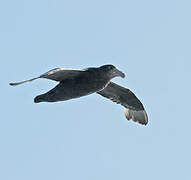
[[133, 107], [57, 74]]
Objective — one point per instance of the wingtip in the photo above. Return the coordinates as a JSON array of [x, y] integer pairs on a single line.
[[15, 83], [137, 116], [12, 84]]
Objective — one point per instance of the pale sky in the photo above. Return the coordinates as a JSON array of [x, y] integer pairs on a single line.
[[89, 138]]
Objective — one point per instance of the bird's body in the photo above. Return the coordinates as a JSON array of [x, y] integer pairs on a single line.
[[85, 83], [75, 83]]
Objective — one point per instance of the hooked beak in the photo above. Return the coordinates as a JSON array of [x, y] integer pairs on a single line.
[[118, 73]]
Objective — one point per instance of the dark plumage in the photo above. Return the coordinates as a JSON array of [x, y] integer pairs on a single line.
[[76, 83], [133, 107]]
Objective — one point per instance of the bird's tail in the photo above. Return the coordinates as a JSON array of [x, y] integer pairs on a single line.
[[39, 99]]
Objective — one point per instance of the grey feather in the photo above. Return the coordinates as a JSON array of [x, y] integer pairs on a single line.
[[133, 107], [56, 74]]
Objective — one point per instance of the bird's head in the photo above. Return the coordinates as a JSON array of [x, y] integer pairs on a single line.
[[112, 71]]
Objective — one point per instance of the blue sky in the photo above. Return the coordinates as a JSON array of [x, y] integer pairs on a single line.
[[89, 138]]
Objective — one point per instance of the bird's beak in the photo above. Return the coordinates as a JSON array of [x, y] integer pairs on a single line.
[[119, 73]]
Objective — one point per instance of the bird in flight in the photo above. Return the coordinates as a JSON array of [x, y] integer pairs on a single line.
[[75, 83]]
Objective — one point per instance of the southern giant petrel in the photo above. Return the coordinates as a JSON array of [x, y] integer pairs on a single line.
[[74, 83]]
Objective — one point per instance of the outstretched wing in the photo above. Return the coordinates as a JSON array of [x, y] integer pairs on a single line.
[[133, 107], [57, 74]]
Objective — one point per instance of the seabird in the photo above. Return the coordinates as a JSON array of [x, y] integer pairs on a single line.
[[75, 83]]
